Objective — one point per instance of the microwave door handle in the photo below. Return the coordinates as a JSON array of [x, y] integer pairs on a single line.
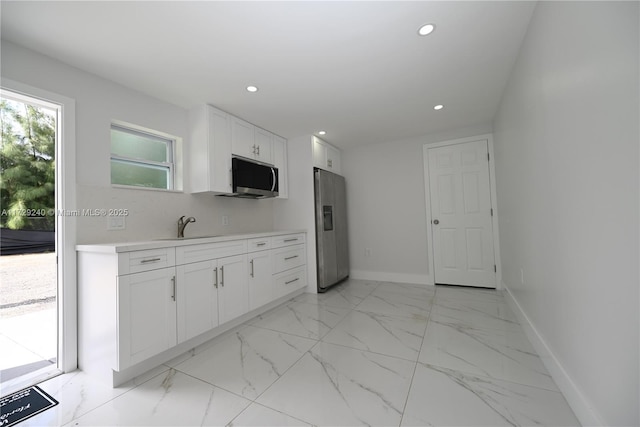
[[273, 173]]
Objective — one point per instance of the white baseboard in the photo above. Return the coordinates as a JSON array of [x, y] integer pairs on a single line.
[[582, 408], [380, 276]]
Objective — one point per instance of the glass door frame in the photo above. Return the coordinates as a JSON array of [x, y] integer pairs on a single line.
[[66, 226]]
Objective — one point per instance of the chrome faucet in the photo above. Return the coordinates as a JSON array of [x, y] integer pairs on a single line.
[[182, 224]]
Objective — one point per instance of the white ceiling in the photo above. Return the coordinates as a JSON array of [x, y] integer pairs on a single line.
[[355, 69]]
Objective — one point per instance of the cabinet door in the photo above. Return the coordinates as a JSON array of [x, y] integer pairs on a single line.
[[319, 154], [243, 138], [146, 315], [197, 298], [264, 143], [260, 279], [219, 170], [233, 293], [333, 159], [209, 150], [280, 161]]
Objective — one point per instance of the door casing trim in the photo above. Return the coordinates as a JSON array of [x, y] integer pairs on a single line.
[[494, 206]]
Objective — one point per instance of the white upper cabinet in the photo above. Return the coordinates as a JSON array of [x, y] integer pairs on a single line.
[[264, 145], [319, 153], [209, 150], [326, 156], [333, 159], [215, 137], [250, 141], [243, 140]]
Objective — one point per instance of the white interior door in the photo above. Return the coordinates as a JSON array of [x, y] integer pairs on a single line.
[[461, 213]]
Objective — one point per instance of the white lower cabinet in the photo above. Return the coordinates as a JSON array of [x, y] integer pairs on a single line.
[[288, 257], [233, 292], [289, 281], [173, 298], [260, 279], [289, 264], [146, 315], [197, 298], [210, 293]]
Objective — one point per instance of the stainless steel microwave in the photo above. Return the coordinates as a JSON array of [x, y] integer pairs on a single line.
[[253, 180]]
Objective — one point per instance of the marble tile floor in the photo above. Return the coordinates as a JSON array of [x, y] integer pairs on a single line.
[[364, 353]]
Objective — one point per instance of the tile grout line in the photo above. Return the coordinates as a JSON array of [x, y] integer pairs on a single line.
[[241, 327], [133, 387], [489, 330], [415, 367], [318, 342]]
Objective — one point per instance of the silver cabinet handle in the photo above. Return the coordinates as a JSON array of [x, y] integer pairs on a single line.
[[252, 268], [144, 261], [215, 274], [291, 257], [436, 222], [173, 281], [291, 240], [222, 278], [261, 244], [291, 281]]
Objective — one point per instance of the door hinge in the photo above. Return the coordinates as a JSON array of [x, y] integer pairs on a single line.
[[491, 211], [495, 268], [488, 157]]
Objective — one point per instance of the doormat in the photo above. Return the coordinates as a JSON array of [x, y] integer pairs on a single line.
[[24, 404]]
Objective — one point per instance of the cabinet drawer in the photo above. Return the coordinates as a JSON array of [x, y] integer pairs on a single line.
[[290, 281], [207, 251], [258, 244], [152, 259], [287, 240], [288, 258]]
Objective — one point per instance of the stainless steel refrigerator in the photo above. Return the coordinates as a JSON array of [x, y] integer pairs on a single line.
[[331, 229]]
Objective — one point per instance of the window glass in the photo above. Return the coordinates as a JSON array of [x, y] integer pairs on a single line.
[[138, 145], [141, 159], [139, 175]]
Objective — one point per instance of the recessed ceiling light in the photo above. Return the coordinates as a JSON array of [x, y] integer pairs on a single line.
[[322, 132], [438, 107], [252, 89], [426, 29]]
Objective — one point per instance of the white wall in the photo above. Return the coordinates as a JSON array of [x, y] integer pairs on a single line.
[[566, 146], [386, 207], [98, 101]]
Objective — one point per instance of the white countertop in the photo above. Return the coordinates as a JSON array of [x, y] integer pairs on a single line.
[[172, 243]]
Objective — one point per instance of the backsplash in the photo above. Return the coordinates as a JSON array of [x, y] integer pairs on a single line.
[[153, 215]]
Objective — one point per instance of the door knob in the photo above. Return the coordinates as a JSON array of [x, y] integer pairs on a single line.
[[436, 222]]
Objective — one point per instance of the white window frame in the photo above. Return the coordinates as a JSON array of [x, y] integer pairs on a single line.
[[172, 143]]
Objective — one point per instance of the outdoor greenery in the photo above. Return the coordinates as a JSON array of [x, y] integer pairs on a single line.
[[27, 166]]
